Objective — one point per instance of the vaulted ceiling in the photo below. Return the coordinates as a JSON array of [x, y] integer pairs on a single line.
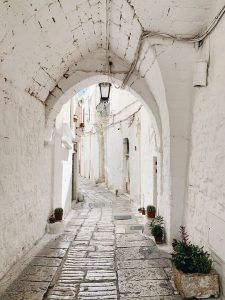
[[40, 40]]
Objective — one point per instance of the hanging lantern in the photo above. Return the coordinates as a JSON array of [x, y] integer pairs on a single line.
[[104, 91], [103, 108]]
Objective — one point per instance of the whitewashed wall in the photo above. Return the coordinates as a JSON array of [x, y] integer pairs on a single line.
[[62, 178], [25, 176], [206, 190], [121, 125]]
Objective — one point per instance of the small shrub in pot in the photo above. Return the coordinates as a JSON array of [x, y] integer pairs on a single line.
[[192, 269], [157, 229], [190, 258]]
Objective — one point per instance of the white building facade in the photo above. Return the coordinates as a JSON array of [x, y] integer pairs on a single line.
[[121, 149]]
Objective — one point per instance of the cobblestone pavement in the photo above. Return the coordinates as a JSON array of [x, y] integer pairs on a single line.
[[101, 255]]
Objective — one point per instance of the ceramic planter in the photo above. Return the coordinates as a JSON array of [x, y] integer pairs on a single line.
[[151, 214], [196, 285], [158, 239], [58, 216]]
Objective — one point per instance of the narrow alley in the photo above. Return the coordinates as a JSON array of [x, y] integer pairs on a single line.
[[102, 254]]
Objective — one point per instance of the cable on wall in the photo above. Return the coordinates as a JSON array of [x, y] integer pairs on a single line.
[[195, 39]]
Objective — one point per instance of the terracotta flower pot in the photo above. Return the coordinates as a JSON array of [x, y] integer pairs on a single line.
[[158, 239], [58, 216], [151, 214]]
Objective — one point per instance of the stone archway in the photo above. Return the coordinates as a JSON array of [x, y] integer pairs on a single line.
[[90, 71]]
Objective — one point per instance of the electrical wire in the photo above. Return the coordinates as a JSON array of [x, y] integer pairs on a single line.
[[195, 39]]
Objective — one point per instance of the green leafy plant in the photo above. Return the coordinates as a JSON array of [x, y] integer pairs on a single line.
[[58, 210], [157, 230], [51, 219], [157, 226], [151, 208], [174, 243], [190, 258]]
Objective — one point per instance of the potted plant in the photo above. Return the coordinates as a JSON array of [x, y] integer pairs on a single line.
[[58, 214], [151, 211], [157, 229], [140, 209], [143, 211], [174, 243], [192, 270]]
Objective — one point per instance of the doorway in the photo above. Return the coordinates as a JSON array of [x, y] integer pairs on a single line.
[[155, 175], [126, 165]]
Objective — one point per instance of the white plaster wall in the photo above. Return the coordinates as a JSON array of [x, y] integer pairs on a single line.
[[114, 157], [89, 156], [25, 174], [62, 196], [206, 190], [148, 150]]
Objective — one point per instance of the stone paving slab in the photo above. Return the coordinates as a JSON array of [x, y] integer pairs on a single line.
[[47, 252], [102, 243], [69, 276], [90, 263], [57, 244], [66, 237], [146, 288], [126, 222], [120, 229], [80, 243], [38, 273], [141, 274], [130, 237], [105, 248], [22, 290], [81, 247], [85, 236], [101, 254], [141, 264], [98, 291], [103, 236], [101, 275], [131, 244], [137, 253], [76, 222], [62, 292], [76, 253], [175, 297], [46, 261]]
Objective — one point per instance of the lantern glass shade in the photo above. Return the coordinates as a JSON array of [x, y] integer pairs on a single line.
[[104, 91]]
